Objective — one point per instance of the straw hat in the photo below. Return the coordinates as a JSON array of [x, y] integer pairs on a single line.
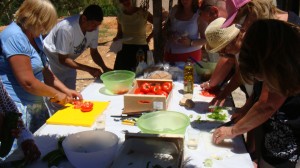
[[217, 37]]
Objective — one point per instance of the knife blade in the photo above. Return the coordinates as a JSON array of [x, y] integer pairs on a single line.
[[226, 124]]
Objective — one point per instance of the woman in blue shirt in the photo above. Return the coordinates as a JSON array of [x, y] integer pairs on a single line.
[[23, 65]]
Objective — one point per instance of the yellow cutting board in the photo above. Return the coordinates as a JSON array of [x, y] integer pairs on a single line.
[[71, 116]]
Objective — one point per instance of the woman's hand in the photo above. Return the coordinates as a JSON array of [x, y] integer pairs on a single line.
[[184, 40], [222, 133], [217, 101], [73, 94], [205, 85], [30, 150], [60, 98]]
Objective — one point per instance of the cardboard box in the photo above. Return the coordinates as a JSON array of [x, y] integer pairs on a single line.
[[148, 150], [137, 103]]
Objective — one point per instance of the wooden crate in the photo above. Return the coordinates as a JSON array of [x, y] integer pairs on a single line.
[[137, 103]]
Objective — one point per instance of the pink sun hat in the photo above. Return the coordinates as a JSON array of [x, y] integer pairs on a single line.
[[232, 7]]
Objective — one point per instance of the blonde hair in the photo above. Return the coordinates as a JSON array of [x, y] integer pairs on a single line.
[[262, 9], [38, 15]]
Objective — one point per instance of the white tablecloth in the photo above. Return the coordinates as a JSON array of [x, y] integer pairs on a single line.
[[231, 154]]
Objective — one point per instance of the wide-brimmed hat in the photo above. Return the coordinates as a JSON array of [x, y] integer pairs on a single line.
[[232, 7], [217, 38]]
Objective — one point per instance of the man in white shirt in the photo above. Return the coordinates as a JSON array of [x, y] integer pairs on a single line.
[[68, 39]]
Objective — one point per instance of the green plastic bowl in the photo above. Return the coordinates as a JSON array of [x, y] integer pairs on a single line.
[[118, 81], [163, 122]]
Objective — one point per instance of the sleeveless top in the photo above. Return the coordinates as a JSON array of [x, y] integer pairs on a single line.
[[134, 27], [184, 28]]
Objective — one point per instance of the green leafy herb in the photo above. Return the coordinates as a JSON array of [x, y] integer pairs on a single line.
[[217, 116], [218, 109], [208, 163], [198, 119]]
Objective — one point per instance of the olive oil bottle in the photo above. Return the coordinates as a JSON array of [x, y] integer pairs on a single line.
[[188, 73]]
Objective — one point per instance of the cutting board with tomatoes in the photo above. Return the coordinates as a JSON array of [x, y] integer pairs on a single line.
[[75, 116]]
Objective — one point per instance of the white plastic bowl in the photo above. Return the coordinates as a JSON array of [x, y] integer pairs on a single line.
[[91, 149]]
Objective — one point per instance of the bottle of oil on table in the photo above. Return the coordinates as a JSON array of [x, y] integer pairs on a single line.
[[188, 74]]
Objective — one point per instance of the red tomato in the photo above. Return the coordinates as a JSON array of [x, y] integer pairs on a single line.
[[145, 87], [150, 93], [87, 106], [138, 91], [77, 104], [161, 92], [167, 87], [155, 89]]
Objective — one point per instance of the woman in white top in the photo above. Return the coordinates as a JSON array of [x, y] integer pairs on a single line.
[[184, 39]]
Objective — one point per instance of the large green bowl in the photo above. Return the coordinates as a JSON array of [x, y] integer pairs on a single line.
[[163, 122], [118, 81], [207, 70]]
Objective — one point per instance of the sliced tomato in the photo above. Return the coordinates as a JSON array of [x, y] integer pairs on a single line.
[[77, 104], [167, 87], [86, 109], [207, 94], [87, 106]]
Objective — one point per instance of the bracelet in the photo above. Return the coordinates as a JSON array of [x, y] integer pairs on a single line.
[[191, 43]]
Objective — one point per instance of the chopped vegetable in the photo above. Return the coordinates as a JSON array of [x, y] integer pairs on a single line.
[[198, 120], [217, 116], [208, 163], [218, 109]]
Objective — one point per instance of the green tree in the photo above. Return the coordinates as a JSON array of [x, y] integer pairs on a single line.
[[63, 8], [7, 9]]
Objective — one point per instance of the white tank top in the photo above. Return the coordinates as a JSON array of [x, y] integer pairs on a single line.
[[183, 28]]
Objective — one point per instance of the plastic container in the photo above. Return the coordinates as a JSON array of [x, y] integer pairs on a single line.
[[91, 149], [163, 122], [207, 70], [118, 81]]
